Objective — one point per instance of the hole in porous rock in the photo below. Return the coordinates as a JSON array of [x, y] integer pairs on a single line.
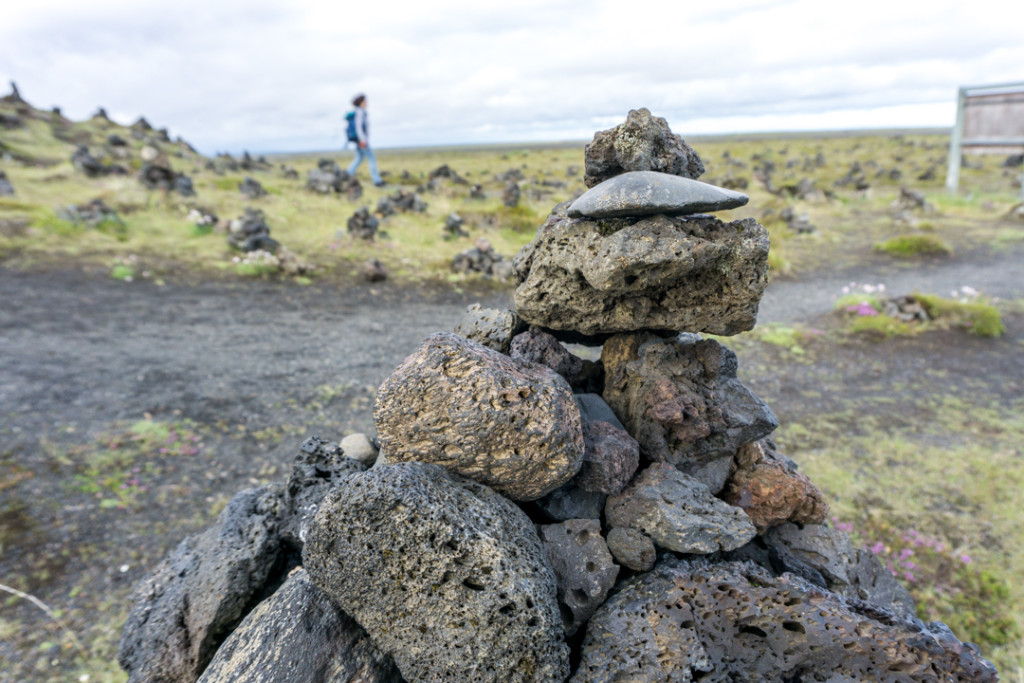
[[582, 537], [753, 630], [794, 626], [472, 584], [580, 595], [509, 608], [591, 566], [446, 577], [629, 279], [529, 603]]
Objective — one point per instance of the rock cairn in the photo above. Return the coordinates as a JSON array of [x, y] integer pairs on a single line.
[[6, 188], [329, 178], [533, 516], [250, 232], [251, 188]]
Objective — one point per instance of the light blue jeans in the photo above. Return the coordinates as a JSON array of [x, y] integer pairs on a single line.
[[365, 153]]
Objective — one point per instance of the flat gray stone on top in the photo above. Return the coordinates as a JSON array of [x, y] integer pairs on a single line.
[[644, 193]]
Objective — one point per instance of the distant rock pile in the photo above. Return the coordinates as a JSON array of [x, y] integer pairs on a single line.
[[251, 188], [482, 258], [91, 214], [363, 224], [536, 517], [329, 178], [250, 232], [6, 188]]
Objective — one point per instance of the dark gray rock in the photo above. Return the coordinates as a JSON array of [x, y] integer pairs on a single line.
[[160, 176], [712, 473], [583, 567], [251, 188], [678, 513], [572, 502], [446, 576], [482, 258], [513, 426], [408, 201], [734, 621], [642, 143], [329, 178], [6, 189], [374, 271], [453, 227], [632, 548], [491, 327], [585, 279], [85, 162], [512, 194], [854, 573], [594, 408], [535, 346], [610, 458], [681, 399], [298, 635], [188, 604], [250, 232], [91, 214], [320, 466], [363, 224], [645, 193]]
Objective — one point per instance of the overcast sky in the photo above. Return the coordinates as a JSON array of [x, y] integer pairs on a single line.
[[269, 75]]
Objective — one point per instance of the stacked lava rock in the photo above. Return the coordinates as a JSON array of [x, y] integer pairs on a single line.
[[533, 516]]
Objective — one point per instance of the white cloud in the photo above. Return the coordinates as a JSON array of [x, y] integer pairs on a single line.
[[270, 75]]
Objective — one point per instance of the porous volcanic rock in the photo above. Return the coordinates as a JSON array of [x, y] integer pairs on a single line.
[[678, 513], [572, 502], [583, 567], [492, 327], [511, 425], [681, 399], [319, 467], [537, 346], [446, 576], [189, 603], [645, 193], [643, 143], [584, 280], [688, 621], [298, 635], [610, 458], [854, 573], [632, 548], [768, 486], [6, 189]]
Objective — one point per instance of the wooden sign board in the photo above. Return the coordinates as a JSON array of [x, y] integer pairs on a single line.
[[989, 120]]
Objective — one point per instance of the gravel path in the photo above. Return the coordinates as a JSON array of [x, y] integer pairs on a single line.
[[998, 274]]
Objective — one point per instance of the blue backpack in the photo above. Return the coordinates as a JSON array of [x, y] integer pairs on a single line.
[[350, 130]]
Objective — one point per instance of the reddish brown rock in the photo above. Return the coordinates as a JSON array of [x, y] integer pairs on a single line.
[[681, 399], [771, 490]]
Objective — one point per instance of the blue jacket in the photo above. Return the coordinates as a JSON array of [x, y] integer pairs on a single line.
[[362, 126]]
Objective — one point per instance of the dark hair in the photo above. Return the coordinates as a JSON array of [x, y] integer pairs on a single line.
[[358, 100]]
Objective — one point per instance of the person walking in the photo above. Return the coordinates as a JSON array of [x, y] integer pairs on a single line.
[[362, 141]]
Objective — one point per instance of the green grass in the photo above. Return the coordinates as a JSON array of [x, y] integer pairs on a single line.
[[914, 245], [980, 317], [313, 226], [956, 476]]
